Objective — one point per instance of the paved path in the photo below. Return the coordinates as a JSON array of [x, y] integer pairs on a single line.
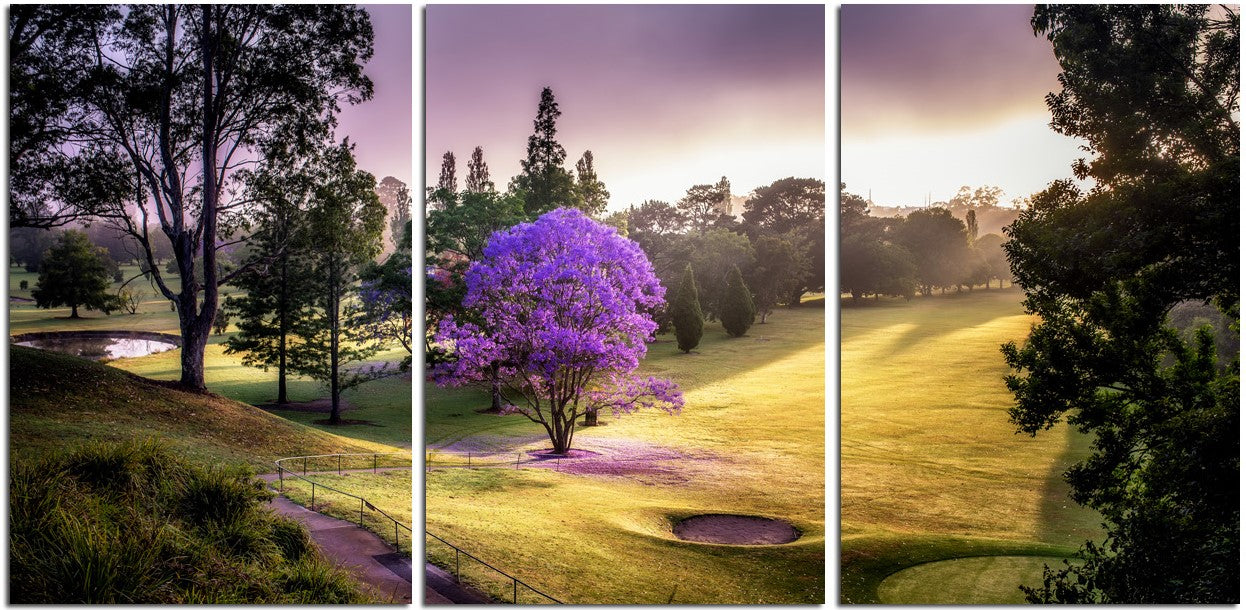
[[347, 545], [440, 588], [358, 550]]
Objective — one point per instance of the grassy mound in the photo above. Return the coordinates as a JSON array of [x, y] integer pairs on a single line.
[[136, 523], [59, 402]]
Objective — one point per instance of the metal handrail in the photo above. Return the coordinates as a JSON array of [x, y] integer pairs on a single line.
[[515, 582], [281, 470]]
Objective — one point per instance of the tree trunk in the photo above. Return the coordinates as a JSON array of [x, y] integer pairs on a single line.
[[197, 325], [495, 388], [590, 417], [73, 311], [335, 324], [283, 332], [194, 341]]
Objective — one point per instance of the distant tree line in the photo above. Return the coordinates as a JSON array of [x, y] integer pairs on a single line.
[[930, 249]]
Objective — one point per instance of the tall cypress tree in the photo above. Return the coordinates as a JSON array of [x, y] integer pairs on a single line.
[[737, 307], [686, 313]]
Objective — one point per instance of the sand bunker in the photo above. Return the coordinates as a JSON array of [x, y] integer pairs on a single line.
[[735, 529]]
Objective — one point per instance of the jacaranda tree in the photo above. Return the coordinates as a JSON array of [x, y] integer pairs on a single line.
[[560, 309]]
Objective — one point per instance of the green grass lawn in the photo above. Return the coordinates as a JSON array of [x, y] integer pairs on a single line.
[[60, 402], [749, 441], [930, 467], [385, 403]]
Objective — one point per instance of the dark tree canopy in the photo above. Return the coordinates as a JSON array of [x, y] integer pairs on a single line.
[[478, 173], [277, 283], [447, 180], [591, 192], [787, 204], [738, 310], [775, 275], [51, 181], [346, 219], [704, 203], [74, 273], [1153, 89], [174, 98], [685, 312], [543, 182]]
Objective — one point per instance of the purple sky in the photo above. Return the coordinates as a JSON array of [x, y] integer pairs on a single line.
[[665, 96], [938, 96], [381, 128]]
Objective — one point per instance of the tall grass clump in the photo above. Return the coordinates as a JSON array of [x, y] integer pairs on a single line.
[[134, 523]]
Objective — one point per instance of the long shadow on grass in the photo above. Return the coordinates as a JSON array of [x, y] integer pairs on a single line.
[[451, 415], [932, 321], [1061, 520], [719, 357]]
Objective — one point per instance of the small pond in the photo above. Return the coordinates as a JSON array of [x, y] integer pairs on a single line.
[[98, 346]]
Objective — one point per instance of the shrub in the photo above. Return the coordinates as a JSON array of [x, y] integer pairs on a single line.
[[133, 523], [737, 309], [292, 540], [686, 313], [317, 582], [24, 285]]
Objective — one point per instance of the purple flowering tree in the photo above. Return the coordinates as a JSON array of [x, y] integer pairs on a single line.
[[559, 307]]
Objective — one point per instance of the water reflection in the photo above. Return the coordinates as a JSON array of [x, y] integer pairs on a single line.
[[100, 348]]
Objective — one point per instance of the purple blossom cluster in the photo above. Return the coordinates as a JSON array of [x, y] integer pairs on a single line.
[[558, 305], [386, 308]]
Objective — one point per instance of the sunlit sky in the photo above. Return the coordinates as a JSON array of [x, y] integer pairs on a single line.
[[665, 96], [934, 97], [381, 127]]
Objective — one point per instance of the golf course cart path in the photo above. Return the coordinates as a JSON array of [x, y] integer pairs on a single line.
[[359, 551]]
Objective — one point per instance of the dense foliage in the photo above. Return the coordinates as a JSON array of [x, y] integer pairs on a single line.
[[135, 523], [560, 309], [686, 316], [930, 248], [276, 279], [74, 273], [346, 220], [157, 107], [738, 310], [1153, 90]]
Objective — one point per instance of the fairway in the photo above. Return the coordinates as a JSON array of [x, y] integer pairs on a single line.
[[749, 441], [930, 467]]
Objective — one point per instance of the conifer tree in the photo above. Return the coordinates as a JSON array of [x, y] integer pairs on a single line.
[[478, 173], [276, 280], [737, 307], [591, 192], [543, 182], [686, 313], [347, 219], [447, 179]]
